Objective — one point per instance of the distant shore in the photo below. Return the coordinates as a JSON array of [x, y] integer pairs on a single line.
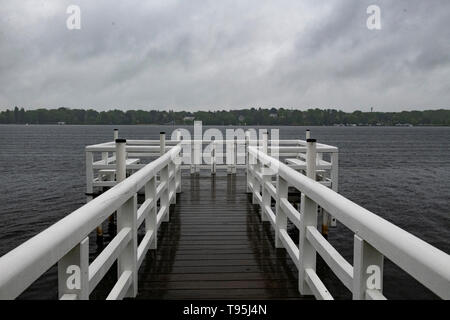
[[242, 117]]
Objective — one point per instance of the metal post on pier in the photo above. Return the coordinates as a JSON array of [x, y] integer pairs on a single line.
[[309, 209]]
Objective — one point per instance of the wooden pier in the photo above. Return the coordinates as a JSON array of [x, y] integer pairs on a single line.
[[204, 228], [217, 247]]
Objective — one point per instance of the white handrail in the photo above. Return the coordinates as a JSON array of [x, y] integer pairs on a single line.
[[427, 264], [26, 263]]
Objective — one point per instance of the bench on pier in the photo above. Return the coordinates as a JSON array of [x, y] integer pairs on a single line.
[[109, 174], [299, 164]]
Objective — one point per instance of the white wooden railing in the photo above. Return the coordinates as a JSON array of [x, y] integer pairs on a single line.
[[374, 237], [66, 243]]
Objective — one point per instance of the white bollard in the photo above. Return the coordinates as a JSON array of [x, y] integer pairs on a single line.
[[162, 143], [121, 160], [116, 134]]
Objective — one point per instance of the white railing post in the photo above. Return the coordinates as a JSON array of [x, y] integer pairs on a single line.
[[162, 143], [367, 269], [256, 183], [73, 273], [334, 175], [178, 166], [309, 218], [234, 157], [151, 220], [266, 197], [264, 141], [192, 157], [164, 198], [247, 159], [90, 187], [172, 183], [308, 134], [115, 136], [280, 218], [127, 260], [89, 173], [213, 158], [229, 154], [105, 156], [178, 177]]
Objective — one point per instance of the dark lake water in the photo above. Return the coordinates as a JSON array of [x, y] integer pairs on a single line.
[[401, 174]]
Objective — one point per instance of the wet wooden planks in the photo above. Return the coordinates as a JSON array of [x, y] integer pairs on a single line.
[[216, 247]]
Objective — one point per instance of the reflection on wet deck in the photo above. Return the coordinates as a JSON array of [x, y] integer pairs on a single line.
[[216, 247]]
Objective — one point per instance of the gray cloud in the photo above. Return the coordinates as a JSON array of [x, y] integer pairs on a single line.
[[225, 54]]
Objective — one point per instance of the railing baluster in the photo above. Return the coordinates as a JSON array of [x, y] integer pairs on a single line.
[[266, 197], [164, 199], [256, 183], [127, 261], [264, 141], [334, 176], [234, 159], [192, 147], [213, 158], [280, 219], [367, 269], [178, 165], [151, 220], [73, 272], [247, 160], [172, 183], [89, 172], [309, 218]]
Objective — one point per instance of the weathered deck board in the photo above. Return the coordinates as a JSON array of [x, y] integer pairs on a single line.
[[216, 247]]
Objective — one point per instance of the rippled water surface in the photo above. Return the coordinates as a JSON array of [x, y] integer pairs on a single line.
[[401, 174]]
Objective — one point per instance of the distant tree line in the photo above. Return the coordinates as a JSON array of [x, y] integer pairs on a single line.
[[251, 116]]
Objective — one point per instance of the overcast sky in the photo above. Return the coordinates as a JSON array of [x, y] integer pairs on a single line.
[[191, 55]]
